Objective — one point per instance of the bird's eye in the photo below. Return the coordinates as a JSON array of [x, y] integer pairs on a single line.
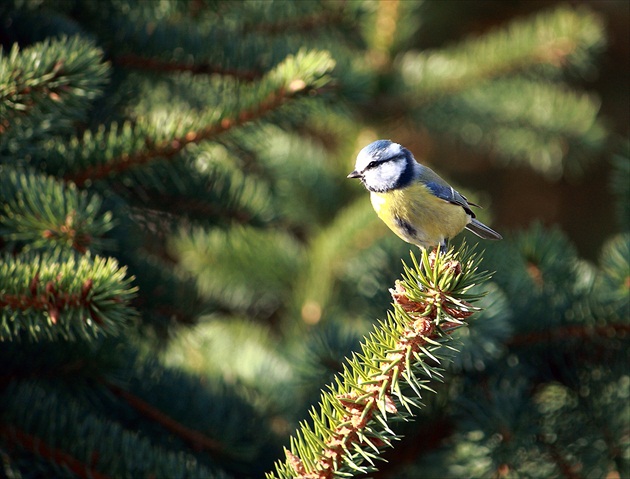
[[371, 164]]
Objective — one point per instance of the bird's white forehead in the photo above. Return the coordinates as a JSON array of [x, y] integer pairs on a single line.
[[378, 150]]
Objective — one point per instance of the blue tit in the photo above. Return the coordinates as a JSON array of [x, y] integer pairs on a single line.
[[412, 200]]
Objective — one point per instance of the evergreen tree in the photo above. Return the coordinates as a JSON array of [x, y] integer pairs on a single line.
[[189, 287]]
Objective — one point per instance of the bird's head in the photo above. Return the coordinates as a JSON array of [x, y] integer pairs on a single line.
[[383, 166]]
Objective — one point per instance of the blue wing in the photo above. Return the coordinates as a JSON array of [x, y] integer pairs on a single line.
[[448, 193]]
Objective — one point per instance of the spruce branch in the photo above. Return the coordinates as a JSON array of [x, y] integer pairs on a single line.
[[36, 445], [197, 440], [352, 424], [551, 41], [221, 262], [46, 213], [59, 296], [298, 75], [544, 125], [49, 85], [197, 188], [311, 21], [511, 100], [106, 448], [138, 62], [241, 41]]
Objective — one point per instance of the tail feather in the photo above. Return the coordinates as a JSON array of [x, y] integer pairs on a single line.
[[482, 230]]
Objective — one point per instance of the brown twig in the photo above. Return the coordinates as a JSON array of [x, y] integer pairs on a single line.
[[39, 447], [169, 148], [168, 66], [50, 299], [197, 440]]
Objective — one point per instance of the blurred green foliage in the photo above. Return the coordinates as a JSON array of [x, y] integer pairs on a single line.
[[185, 266]]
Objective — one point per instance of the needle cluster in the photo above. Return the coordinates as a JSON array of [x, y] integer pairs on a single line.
[[387, 380]]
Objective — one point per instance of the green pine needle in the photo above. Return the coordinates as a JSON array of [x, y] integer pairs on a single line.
[[44, 213], [60, 296], [353, 423]]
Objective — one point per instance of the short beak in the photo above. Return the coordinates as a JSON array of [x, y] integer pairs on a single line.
[[354, 174]]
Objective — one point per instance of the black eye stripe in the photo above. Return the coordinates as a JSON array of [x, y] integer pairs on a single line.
[[375, 163]]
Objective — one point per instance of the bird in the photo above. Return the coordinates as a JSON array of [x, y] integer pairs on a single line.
[[412, 200]]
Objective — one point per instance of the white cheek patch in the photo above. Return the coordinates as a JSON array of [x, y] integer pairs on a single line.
[[388, 172], [386, 175]]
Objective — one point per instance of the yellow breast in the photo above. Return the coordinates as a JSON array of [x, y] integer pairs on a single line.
[[419, 217]]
